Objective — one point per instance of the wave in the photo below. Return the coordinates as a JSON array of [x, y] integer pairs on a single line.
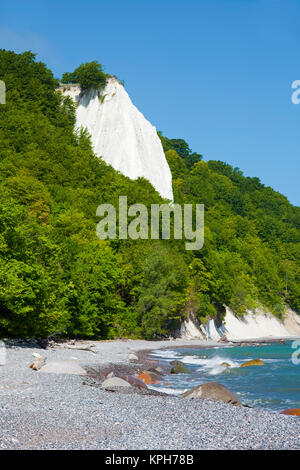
[[213, 365], [165, 354], [168, 390]]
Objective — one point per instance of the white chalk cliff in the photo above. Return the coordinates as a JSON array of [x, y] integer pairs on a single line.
[[121, 135], [253, 325]]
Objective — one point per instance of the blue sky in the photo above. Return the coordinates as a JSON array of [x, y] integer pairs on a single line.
[[216, 73]]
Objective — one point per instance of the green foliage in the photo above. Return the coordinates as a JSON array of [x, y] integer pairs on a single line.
[[163, 292], [181, 148], [88, 75]]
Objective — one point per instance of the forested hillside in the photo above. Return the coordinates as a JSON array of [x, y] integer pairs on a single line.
[[57, 277]]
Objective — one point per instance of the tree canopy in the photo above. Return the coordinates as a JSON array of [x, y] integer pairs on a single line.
[[88, 75]]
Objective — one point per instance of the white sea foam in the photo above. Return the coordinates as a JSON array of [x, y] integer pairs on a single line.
[[216, 365], [165, 354], [168, 390]]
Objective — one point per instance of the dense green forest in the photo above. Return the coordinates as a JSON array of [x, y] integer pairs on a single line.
[[57, 277]]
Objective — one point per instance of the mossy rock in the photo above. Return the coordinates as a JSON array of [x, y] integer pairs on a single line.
[[177, 363], [178, 369]]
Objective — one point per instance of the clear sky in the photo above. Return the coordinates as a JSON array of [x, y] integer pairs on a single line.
[[216, 73]]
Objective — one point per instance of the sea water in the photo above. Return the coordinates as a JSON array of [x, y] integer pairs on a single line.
[[274, 386]]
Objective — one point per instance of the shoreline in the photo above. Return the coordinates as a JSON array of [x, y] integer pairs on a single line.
[[61, 411]]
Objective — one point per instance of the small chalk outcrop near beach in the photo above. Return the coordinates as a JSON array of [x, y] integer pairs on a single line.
[[252, 325], [121, 135], [260, 324], [192, 329], [213, 391]]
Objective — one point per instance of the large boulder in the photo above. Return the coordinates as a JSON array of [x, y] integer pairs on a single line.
[[63, 367], [213, 391], [253, 362]]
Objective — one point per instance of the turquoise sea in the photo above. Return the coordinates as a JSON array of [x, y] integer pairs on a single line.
[[275, 385]]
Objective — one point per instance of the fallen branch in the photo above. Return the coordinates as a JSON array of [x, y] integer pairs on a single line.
[[80, 348]]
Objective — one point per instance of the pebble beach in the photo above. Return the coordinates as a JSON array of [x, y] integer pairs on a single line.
[[68, 411]]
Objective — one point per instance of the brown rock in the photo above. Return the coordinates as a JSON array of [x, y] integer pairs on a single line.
[[291, 411], [213, 391], [134, 381], [148, 377], [253, 362]]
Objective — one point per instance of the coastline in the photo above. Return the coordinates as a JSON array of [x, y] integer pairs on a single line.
[[61, 411]]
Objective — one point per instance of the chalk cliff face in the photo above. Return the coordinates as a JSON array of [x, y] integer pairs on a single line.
[[121, 135], [253, 325]]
